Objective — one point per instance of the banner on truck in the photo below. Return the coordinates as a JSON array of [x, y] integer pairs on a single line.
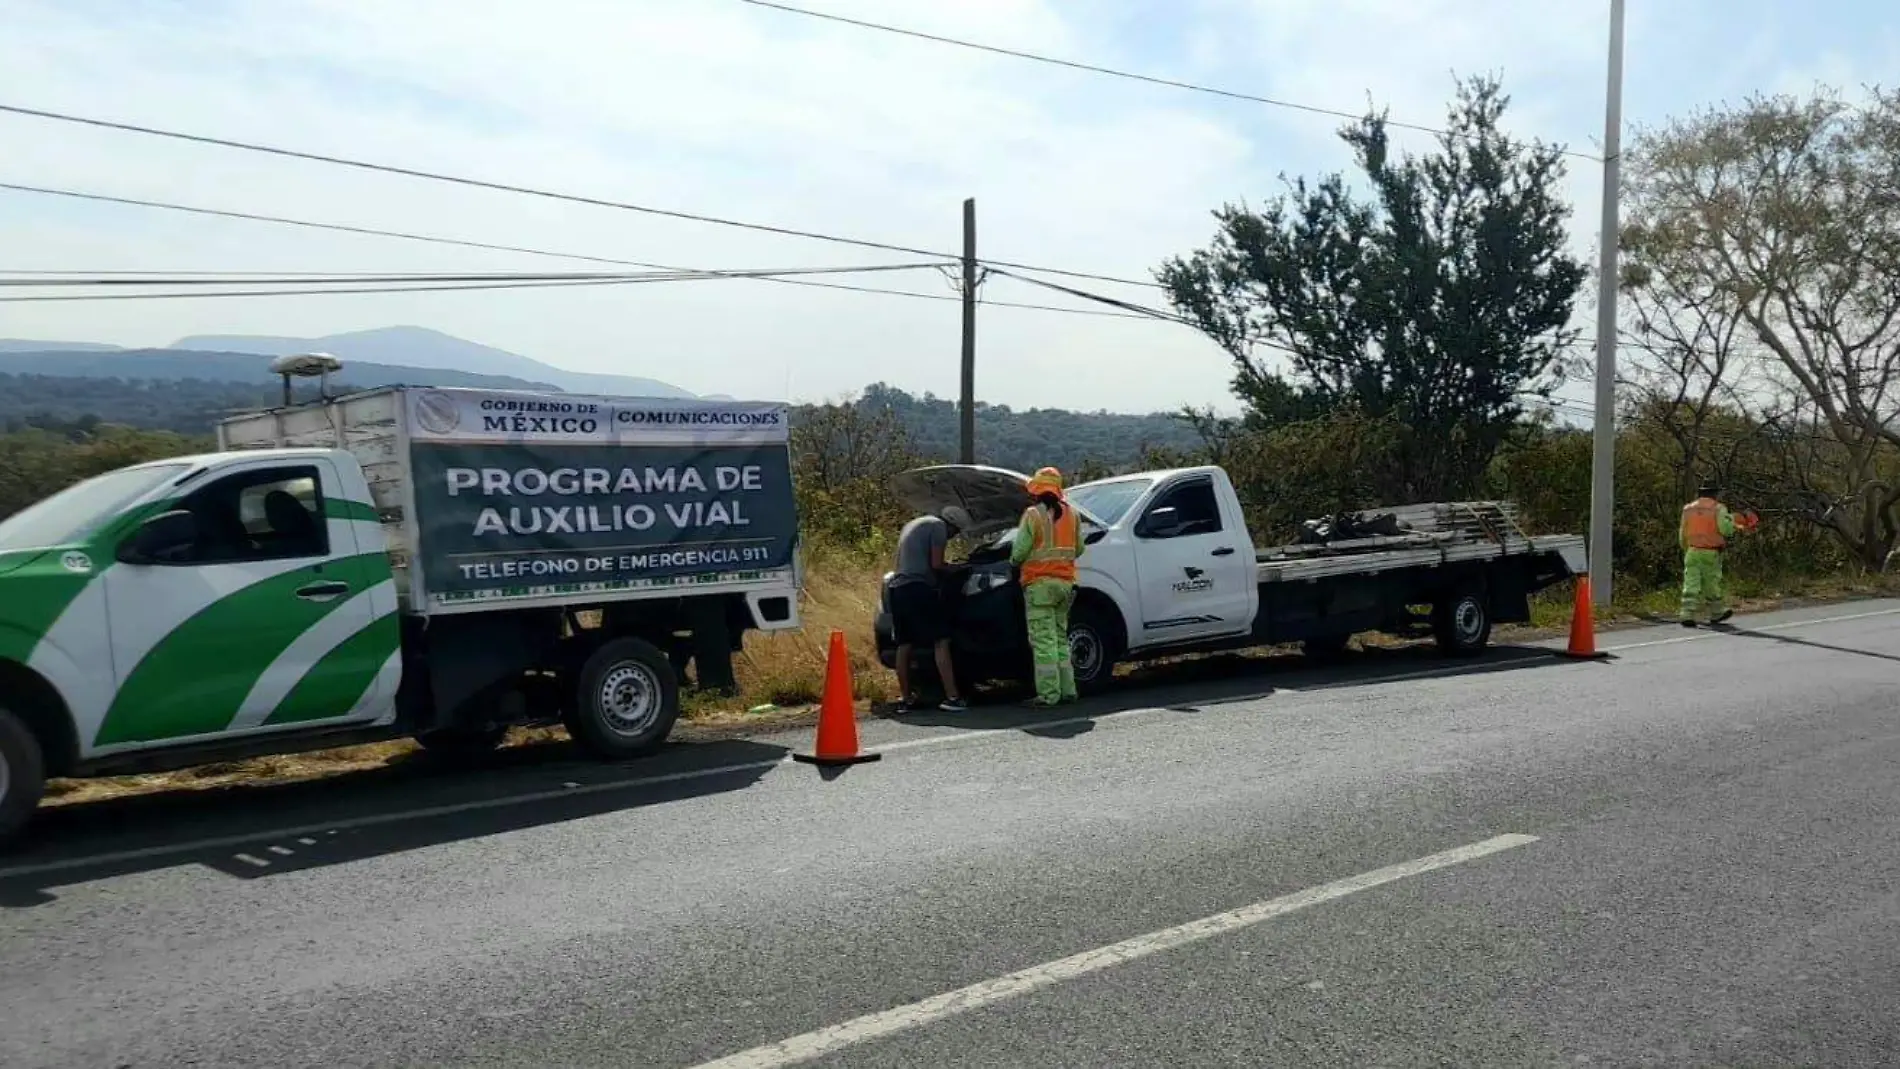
[[525, 518], [461, 415]]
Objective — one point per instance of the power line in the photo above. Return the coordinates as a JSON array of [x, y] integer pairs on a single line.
[[529, 191], [683, 275], [436, 239], [310, 291], [1112, 72]]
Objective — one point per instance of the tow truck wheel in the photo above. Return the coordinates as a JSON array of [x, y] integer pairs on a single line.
[[1326, 647], [626, 700], [22, 774], [462, 745], [1094, 647], [1461, 623]]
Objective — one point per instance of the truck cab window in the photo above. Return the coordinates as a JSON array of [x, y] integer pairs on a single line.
[[270, 514], [1186, 509]]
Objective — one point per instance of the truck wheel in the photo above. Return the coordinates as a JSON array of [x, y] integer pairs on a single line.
[[462, 745], [22, 774], [1094, 647], [1325, 648], [626, 700], [1461, 624]]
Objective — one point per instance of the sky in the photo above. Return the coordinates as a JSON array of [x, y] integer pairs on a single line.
[[721, 108]]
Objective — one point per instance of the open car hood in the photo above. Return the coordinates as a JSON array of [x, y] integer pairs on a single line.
[[994, 497]]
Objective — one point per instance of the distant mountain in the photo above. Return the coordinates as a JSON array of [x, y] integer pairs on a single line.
[[420, 347], [166, 365], [26, 345], [49, 390]]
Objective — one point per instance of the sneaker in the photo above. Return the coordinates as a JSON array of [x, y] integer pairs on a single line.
[[955, 705], [1722, 617], [1688, 623]]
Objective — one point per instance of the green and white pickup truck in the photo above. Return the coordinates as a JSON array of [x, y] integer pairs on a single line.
[[440, 564]]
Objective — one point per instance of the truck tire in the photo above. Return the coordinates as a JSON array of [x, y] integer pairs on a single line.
[[1325, 647], [462, 745], [1095, 644], [22, 774], [626, 699], [1461, 623]]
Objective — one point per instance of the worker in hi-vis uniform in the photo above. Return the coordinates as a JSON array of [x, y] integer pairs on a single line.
[[1048, 540], [1707, 527]]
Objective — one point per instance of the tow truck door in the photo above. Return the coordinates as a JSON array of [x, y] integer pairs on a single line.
[[1195, 569]]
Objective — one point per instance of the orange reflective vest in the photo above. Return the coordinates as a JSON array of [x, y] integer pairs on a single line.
[[1056, 545], [1701, 524]]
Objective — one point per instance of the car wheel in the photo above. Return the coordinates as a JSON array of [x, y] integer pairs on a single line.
[[22, 774], [626, 699], [1461, 623], [1094, 647]]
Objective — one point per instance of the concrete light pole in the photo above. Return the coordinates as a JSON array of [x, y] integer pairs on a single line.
[[1603, 456]]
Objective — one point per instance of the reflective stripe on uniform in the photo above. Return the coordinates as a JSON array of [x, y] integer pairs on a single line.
[[1055, 546]]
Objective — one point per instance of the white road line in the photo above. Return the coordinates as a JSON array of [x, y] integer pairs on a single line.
[[1703, 636], [948, 737], [305, 830], [824, 1041]]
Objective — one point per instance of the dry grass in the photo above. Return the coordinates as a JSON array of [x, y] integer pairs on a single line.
[[782, 674]]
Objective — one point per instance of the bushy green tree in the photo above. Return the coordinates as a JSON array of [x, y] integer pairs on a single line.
[[1434, 305]]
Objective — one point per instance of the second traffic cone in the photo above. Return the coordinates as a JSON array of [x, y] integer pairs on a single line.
[[1583, 625], [837, 715]]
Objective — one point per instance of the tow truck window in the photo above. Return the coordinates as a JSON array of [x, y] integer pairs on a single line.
[[1196, 511], [1109, 501]]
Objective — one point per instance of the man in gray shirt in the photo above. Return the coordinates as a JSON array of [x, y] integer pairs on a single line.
[[918, 614]]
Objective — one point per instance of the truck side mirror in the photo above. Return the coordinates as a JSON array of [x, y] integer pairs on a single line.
[[1164, 522], [162, 536]]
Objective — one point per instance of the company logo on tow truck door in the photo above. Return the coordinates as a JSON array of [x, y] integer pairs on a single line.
[[1196, 582]]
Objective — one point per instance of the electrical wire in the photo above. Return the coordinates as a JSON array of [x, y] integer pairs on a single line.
[[658, 276], [1112, 72], [529, 191], [325, 290], [435, 239]]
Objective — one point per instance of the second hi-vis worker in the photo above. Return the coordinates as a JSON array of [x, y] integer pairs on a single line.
[[1048, 541], [1707, 527]]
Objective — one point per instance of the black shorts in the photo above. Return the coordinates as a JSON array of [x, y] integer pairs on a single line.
[[918, 616]]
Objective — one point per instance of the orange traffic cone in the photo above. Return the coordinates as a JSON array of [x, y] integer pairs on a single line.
[[837, 718], [1583, 628]]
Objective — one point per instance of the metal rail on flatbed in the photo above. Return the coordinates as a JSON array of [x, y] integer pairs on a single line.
[[1434, 535]]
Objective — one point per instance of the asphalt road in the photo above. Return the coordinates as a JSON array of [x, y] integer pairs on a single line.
[[1683, 856]]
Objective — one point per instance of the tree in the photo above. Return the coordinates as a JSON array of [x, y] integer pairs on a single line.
[[1784, 214], [1436, 305], [843, 456]]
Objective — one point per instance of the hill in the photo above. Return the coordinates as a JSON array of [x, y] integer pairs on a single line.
[[162, 365], [420, 347], [30, 396], [28, 345]]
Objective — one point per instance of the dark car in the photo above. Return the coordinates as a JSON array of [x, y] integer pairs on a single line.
[[982, 597]]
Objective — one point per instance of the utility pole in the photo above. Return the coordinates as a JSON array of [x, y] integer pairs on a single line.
[[967, 428], [1603, 455]]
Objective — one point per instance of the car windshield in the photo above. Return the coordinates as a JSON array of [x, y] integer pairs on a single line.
[[1109, 501], [77, 511]]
